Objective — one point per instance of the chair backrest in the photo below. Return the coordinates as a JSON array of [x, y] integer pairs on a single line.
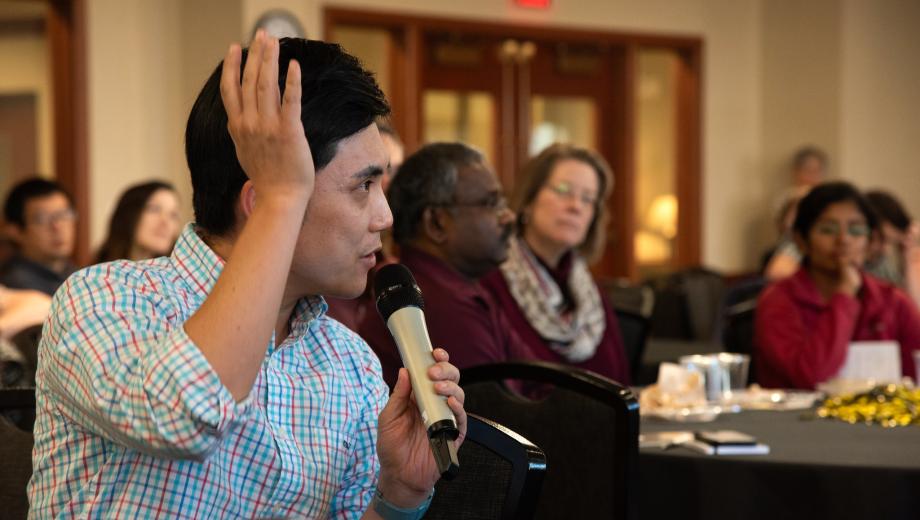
[[501, 474], [587, 425], [637, 299], [19, 358], [687, 304], [634, 329], [15, 452]]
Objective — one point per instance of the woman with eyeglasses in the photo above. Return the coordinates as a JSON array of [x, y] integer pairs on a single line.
[[544, 287], [805, 323]]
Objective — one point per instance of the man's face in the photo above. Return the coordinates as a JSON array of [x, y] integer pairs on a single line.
[[479, 223], [48, 234], [342, 225]]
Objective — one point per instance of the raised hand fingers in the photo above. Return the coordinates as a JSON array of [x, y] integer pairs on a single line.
[[230, 82], [290, 108], [251, 75], [268, 94]]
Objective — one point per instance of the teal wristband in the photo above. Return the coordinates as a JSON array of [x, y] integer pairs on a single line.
[[388, 511]]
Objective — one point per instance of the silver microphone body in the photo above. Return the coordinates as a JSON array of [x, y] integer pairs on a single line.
[[407, 325]]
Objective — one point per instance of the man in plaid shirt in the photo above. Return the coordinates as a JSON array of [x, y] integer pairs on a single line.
[[210, 384]]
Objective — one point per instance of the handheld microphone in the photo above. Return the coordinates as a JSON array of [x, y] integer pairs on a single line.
[[400, 304]]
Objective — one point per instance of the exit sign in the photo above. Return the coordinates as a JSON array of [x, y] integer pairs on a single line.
[[533, 4]]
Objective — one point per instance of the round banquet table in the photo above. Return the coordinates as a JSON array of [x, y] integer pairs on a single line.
[[816, 469]]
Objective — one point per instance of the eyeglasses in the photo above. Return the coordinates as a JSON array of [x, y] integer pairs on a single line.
[[565, 190], [48, 219], [856, 229], [494, 202]]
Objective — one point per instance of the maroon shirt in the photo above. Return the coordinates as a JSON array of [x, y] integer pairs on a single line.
[[802, 340], [461, 316], [610, 358]]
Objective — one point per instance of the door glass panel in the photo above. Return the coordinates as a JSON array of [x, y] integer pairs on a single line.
[[467, 117], [562, 119], [370, 45], [656, 184]]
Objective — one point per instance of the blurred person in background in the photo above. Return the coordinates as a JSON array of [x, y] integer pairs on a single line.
[[41, 220], [20, 309], [452, 225], [895, 253], [783, 259], [545, 287], [805, 323], [808, 169], [144, 225]]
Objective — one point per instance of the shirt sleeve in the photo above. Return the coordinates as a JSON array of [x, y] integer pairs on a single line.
[[804, 354], [357, 488], [116, 362]]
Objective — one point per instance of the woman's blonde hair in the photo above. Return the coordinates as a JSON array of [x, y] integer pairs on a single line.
[[536, 173]]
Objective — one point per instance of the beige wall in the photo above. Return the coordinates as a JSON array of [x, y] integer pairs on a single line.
[[25, 61], [147, 61], [879, 106], [777, 73]]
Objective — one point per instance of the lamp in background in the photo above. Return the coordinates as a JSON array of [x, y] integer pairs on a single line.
[[654, 239]]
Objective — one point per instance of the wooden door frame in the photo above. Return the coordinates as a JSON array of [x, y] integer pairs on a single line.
[[618, 259], [67, 42]]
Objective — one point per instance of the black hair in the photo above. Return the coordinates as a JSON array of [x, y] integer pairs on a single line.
[[14, 210], [339, 98], [889, 209], [127, 214], [823, 195], [427, 178]]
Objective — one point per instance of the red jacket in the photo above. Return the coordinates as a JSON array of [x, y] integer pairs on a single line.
[[801, 339]]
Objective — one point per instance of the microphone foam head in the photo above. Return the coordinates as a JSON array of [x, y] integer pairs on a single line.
[[395, 288]]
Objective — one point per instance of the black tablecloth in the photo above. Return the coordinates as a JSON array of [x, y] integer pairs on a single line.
[[815, 469]]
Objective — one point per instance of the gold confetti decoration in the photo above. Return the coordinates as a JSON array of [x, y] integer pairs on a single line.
[[890, 406]]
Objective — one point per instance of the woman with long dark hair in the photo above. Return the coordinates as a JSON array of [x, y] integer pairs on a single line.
[[145, 223]]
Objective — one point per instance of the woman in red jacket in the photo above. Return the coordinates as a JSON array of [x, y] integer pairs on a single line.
[[805, 323]]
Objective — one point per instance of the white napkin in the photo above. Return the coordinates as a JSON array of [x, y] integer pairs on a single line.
[[879, 361]]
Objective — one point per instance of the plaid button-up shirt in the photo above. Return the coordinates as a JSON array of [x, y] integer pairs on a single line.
[[134, 423]]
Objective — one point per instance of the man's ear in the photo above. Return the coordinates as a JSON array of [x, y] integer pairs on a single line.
[[247, 199], [435, 225], [13, 231]]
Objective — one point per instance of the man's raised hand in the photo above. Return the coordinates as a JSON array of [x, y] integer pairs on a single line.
[[266, 130]]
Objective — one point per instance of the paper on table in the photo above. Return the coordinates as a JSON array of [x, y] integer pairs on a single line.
[[876, 360]]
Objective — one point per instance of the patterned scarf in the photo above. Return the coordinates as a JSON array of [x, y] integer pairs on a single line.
[[574, 335]]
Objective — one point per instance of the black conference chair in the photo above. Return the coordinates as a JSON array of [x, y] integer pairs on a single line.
[[634, 329], [15, 452], [587, 425], [501, 474]]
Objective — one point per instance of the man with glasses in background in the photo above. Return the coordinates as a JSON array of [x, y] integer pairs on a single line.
[[41, 220], [452, 225]]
